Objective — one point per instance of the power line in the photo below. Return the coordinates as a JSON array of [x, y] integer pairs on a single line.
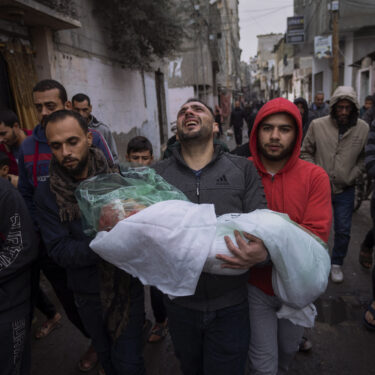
[[359, 4]]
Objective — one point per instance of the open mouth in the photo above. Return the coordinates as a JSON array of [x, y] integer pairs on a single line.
[[191, 124]]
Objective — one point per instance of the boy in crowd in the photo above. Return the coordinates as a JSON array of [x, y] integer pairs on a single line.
[[140, 151], [4, 166]]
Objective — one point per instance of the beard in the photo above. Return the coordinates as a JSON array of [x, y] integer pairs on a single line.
[[13, 140], [79, 168], [347, 120], [285, 153], [202, 135]]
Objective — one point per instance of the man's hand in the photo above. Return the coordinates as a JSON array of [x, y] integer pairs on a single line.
[[246, 254]]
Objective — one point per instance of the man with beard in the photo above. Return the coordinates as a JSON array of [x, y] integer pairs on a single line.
[[109, 301], [210, 330], [11, 137], [301, 190], [336, 142], [34, 158], [81, 103]]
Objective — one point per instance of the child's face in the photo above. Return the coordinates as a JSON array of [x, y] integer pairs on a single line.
[[143, 158], [4, 170]]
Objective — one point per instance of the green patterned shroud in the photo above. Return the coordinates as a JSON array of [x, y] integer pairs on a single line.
[[143, 185]]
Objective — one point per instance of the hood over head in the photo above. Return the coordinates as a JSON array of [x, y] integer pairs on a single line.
[[278, 105], [344, 92], [302, 101], [39, 134]]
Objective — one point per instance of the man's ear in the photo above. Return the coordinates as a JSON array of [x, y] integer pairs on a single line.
[[128, 157], [16, 125], [68, 105], [215, 128], [4, 170], [89, 138]]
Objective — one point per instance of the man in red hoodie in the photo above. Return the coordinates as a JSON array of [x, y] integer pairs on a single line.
[[299, 189]]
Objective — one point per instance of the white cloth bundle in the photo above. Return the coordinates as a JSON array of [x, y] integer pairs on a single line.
[[165, 245], [170, 243]]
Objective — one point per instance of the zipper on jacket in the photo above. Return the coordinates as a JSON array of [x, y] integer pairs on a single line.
[[198, 186]]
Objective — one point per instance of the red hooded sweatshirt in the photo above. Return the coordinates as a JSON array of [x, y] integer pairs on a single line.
[[300, 189]]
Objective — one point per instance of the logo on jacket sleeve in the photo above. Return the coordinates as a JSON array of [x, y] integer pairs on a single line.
[[222, 180]]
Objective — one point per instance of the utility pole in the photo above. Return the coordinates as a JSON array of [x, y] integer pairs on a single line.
[[335, 43]]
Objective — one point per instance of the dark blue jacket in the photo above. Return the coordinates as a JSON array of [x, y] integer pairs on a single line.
[[66, 243], [18, 249], [35, 156]]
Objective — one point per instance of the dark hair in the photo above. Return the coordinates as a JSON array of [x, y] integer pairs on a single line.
[[370, 98], [63, 114], [4, 159], [202, 102], [81, 98], [139, 144], [8, 117], [50, 84]]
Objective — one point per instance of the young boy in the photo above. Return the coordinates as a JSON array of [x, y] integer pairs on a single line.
[[139, 152], [4, 169]]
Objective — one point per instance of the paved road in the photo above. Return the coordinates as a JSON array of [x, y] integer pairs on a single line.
[[341, 345]]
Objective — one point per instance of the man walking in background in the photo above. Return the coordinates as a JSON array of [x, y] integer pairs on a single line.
[[81, 103], [336, 142], [236, 120], [319, 108]]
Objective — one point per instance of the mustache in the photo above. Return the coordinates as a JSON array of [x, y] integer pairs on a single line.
[[68, 159], [273, 144]]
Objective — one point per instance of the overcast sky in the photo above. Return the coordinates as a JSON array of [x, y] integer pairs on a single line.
[[261, 17]]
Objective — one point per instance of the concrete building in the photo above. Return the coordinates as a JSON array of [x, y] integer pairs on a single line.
[[266, 60], [68, 42], [208, 67], [356, 43], [284, 68]]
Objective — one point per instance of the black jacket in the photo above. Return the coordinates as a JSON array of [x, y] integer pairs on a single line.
[[18, 249], [66, 243], [232, 184], [236, 117]]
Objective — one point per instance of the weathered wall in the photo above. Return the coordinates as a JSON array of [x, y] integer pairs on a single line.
[[176, 97], [121, 98], [118, 96]]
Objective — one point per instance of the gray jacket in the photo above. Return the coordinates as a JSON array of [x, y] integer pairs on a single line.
[[105, 131], [233, 185]]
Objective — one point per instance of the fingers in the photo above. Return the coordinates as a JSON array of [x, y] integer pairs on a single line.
[[250, 237], [233, 248]]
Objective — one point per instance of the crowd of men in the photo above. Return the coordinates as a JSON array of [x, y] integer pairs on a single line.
[[304, 162]]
